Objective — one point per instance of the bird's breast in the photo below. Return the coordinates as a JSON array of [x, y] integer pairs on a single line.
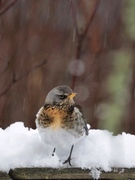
[[57, 116]]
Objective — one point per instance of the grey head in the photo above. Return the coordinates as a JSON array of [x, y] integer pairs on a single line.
[[60, 94]]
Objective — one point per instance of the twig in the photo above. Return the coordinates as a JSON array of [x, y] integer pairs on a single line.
[[81, 37], [15, 80], [6, 5]]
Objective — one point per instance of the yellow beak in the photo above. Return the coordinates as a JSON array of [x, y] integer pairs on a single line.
[[72, 95]]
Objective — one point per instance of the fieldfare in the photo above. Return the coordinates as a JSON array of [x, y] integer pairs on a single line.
[[60, 122]]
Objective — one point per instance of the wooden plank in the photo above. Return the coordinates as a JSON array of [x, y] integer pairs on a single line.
[[4, 176], [68, 173]]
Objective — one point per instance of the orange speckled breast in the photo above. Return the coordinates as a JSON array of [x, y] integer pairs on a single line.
[[57, 116]]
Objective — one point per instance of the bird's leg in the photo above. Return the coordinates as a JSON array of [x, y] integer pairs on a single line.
[[53, 151], [69, 158]]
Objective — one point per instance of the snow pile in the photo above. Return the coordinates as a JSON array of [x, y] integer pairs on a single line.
[[22, 147]]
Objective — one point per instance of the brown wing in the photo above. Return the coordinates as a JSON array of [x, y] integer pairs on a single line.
[[42, 118]]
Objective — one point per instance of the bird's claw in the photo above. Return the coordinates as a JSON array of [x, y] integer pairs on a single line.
[[68, 161]]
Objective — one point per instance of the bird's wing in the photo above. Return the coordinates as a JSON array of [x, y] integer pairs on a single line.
[[85, 122], [43, 118]]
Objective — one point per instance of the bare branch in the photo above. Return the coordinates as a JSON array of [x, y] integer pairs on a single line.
[[15, 80], [8, 87], [6, 5], [81, 37]]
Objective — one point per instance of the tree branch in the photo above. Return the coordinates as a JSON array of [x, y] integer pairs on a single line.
[[16, 80], [6, 5], [81, 37]]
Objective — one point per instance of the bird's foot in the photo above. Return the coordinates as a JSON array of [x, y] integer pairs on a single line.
[[68, 160]]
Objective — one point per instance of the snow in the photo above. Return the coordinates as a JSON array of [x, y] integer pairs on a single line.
[[95, 173], [100, 150]]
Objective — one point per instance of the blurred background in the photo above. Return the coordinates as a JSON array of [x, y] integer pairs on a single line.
[[86, 44]]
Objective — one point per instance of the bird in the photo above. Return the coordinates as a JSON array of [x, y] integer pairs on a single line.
[[60, 121]]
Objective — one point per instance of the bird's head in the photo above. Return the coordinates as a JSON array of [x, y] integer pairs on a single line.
[[60, 94]]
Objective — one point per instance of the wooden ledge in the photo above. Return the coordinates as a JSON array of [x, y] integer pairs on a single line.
[[4, 176], [68, 173]]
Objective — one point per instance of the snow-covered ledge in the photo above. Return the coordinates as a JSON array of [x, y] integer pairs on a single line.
[[94, 156], [67, 173]]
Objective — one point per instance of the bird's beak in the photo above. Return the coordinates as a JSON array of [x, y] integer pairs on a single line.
[[72, 95]]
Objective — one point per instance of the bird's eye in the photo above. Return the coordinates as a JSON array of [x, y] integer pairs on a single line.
[[61, 96]]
